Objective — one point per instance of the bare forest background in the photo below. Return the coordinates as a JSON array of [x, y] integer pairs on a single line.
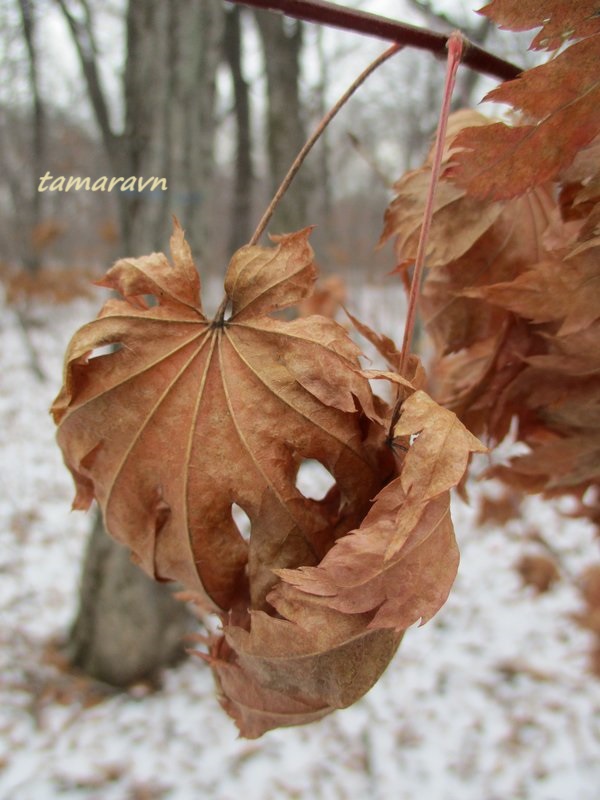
[[217, 99]]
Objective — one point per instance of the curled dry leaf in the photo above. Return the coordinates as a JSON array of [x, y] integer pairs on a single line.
[[512, 301], [458, 220], [566, 290], [482, 347], [187, 417], [388, 564]]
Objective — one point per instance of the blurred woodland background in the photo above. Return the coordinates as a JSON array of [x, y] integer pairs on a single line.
[[218, 99]]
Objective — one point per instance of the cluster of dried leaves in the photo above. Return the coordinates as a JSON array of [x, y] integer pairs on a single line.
[[188, 416], [512, 297]]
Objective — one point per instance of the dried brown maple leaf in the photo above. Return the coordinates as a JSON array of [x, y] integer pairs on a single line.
[[565, 290], [560, 20], [561, 465], [188, 416], [387, 564], [471, 243], [483, 346], [458, 220], [298, 665], [395, 569], [524, 347], [561, 105]]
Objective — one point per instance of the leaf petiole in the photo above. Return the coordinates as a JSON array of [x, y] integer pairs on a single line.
[[315, 136], [455, 51]]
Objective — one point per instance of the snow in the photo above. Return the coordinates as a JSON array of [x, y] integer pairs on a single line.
[[490, 700]]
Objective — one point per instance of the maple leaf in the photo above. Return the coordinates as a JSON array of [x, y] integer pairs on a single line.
[[568, 291], [560, 464], [484, 345], [523, 347], [562, 98], [376, 581], [560, 20], [187, 417], [508, 245], [298, 667], [387, 563], [458, 220], [190, 416], [471, 243]]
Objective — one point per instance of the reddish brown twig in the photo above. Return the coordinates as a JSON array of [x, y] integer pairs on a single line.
[[325, 13]]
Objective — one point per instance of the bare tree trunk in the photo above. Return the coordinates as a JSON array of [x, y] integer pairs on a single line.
[[173, 51], [282, 44], [128, 627], [196, 45], [241, 222], [33, 204]]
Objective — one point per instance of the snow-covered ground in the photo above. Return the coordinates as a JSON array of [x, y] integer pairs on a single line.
[[489, 701]]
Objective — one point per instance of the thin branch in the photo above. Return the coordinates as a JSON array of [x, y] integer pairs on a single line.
[[29, 22], [325, 13], [369, 159], [82, 35], [314, 137]]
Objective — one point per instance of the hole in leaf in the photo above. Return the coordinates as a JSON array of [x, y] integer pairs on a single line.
[[104, 350], [314, 480], [242, 521]]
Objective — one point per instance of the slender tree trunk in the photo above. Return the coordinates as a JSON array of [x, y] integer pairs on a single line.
[[33, 216], [173, 52], [241, 210], [282, 44], [128, 627]]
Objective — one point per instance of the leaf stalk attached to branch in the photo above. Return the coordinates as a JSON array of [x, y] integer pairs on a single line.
[[455, 50]]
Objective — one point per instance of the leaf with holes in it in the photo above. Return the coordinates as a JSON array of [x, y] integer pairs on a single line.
[[401, 563], [188, 416]]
